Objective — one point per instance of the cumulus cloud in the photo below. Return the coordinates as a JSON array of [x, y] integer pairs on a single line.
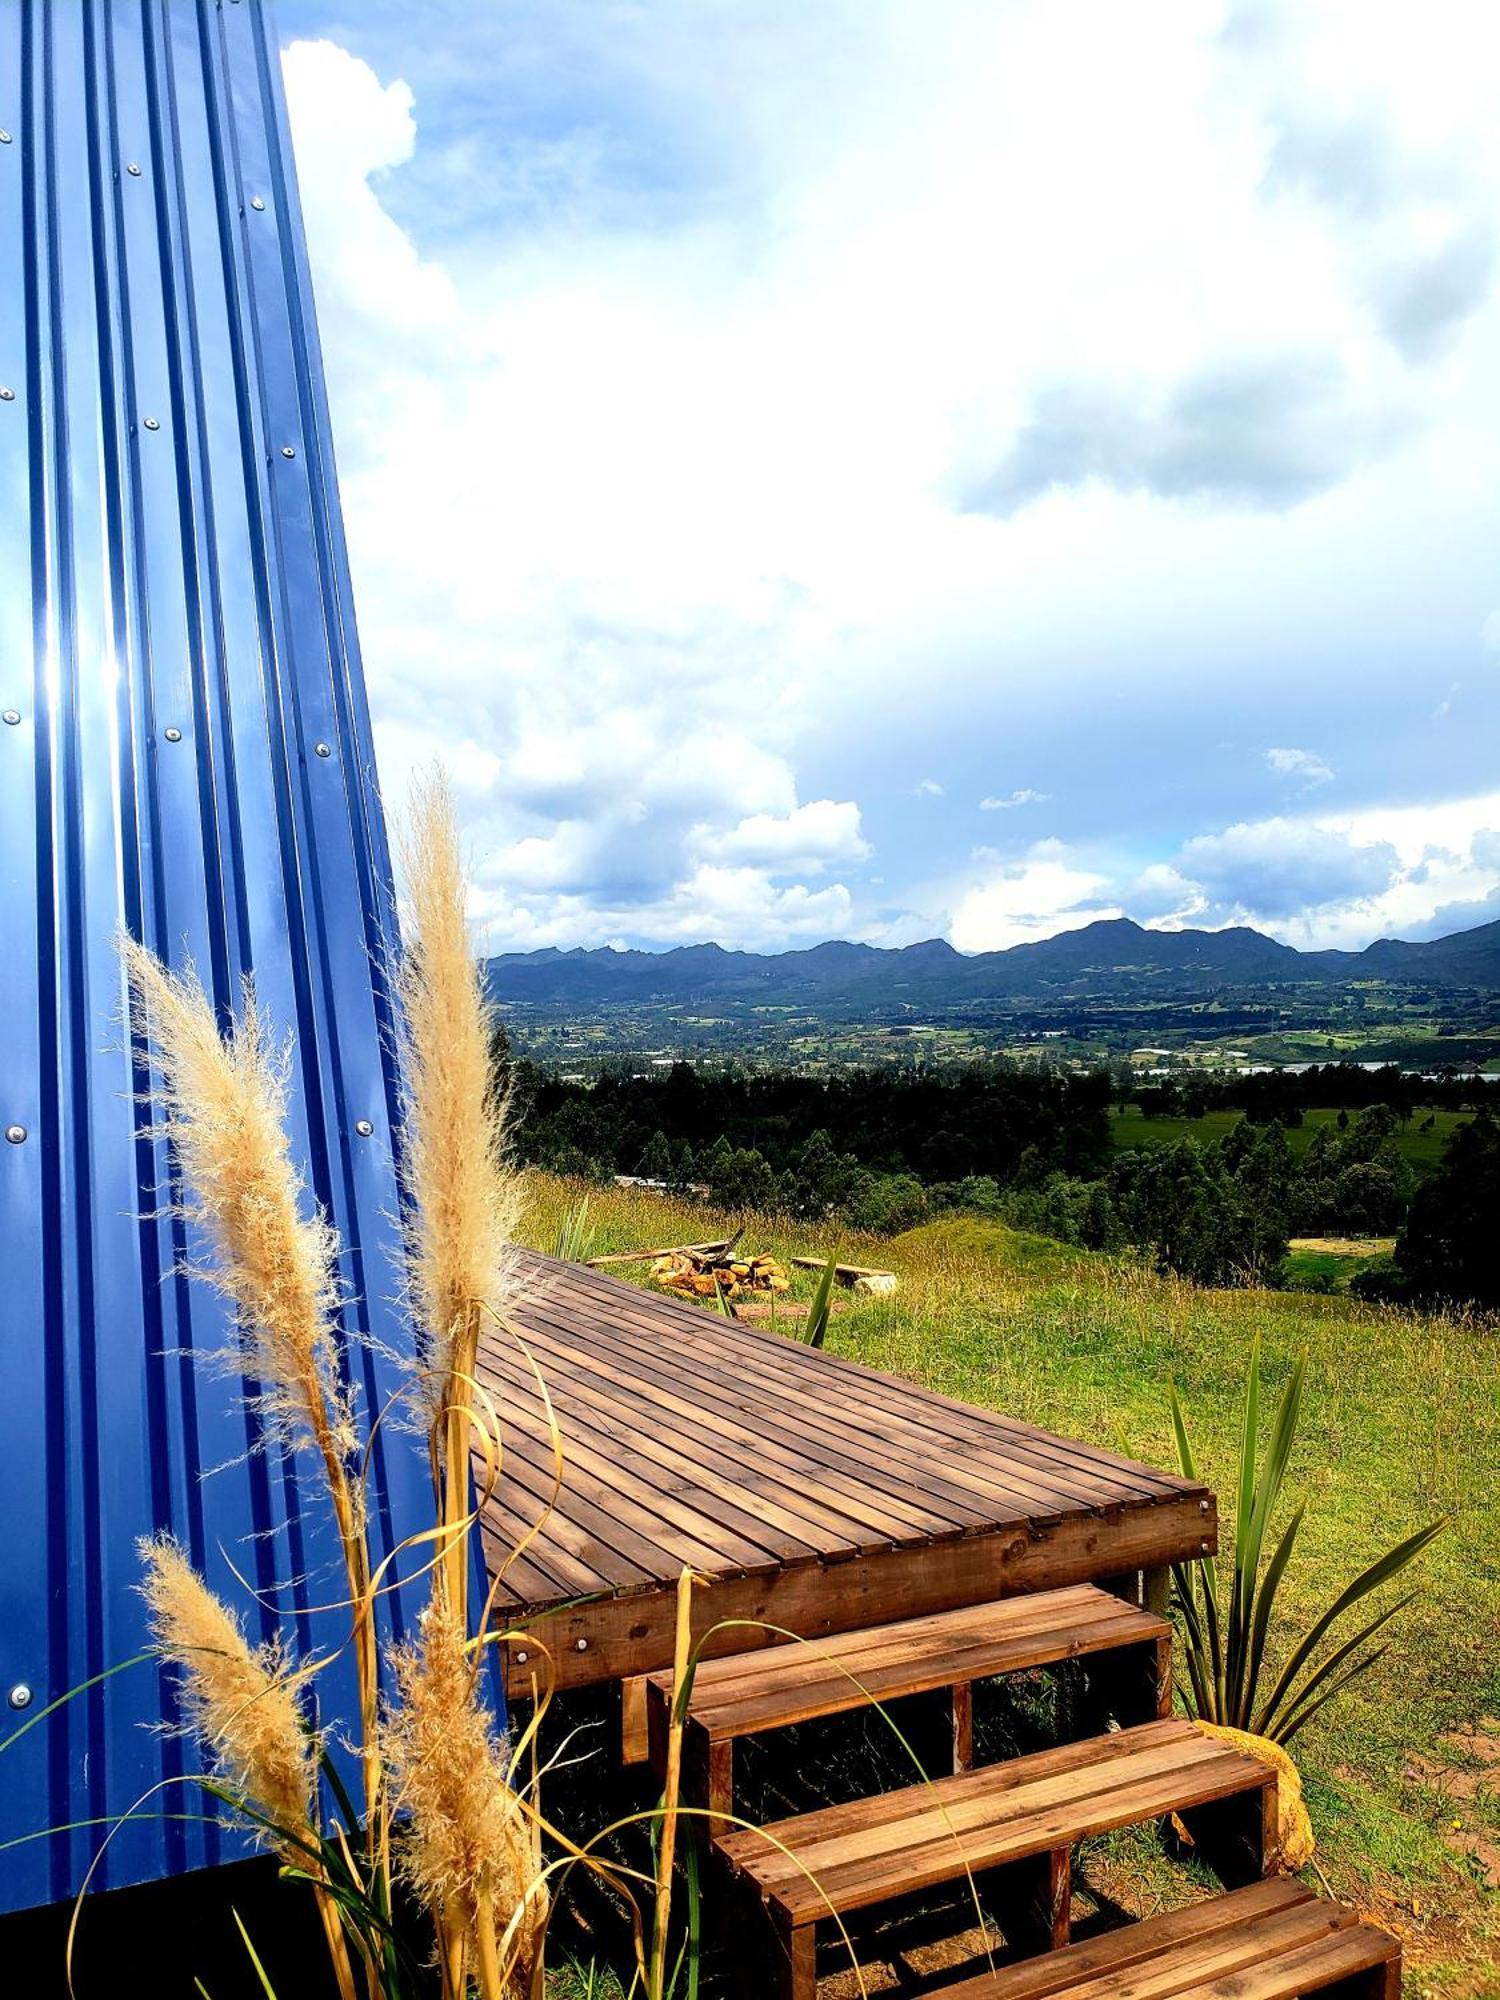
[[928, 788], [803, 841], [1245, 431], [1305, 765], [659, 405], [1020, 901], [1336, 880], [1282, 868], [1024, 797]]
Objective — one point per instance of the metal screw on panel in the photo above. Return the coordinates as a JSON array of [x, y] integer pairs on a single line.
[[522, 1656], [323, 749], [4, 137], [16, 1134], [364, 1128], [173, 735], [287, 452], [12, 716], [1202, 1506], [256, 202], [133, 169], [1204, 1547], [20, 1696], [7, 395], [153, 423], [582, 1645]]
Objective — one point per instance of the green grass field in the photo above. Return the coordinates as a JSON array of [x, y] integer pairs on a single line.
[[1424, 1148], [1402, 1423]]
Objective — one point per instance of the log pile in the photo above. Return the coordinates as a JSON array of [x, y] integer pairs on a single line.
[[714, 1271]]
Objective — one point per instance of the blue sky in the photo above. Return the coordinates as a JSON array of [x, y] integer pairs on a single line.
[[895, 468]]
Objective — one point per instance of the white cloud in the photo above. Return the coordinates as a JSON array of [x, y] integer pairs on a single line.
[[653, 479], [1025, 797], [1304, 764], [1335, 880], [803, 841], [928, 788], [1019, 902]]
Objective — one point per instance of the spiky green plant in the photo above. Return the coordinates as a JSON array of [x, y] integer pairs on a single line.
[[576, 1238], [1226, 1644], [818, 1311]]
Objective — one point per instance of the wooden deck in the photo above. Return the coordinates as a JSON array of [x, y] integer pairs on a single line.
[[815, 1493]]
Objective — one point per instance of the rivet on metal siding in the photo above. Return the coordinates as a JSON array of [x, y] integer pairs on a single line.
[[20, 1696], [173, 735], [12, 716], [153, 423], [16, 1134], [133, 169], [4, 137], [287, 452], [364, 1128], [323, 749], [256, 202], [7, 395]]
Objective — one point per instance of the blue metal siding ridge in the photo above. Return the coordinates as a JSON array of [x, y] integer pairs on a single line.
[[186, 749]]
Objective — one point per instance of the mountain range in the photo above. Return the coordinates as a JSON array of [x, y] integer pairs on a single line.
[[1113, 957]]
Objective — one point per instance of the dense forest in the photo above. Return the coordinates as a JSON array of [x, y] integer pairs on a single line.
[[885, 1149]]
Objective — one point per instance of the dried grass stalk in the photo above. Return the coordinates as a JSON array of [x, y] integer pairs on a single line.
[[223, 1103], [223, 1100], [463, 1197], [239, 1700], [469, 1847]]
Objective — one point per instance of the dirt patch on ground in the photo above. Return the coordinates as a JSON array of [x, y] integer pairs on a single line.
[[1473, 1780], [1345, 1246]]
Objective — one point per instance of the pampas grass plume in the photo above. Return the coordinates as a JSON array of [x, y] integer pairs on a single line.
[[464, 1199], [223, 1097], [468, 1846], [240, 1701]]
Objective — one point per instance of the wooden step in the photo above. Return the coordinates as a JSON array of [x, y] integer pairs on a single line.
[[1022, 1817], [743, 1694], [1271, 1941]]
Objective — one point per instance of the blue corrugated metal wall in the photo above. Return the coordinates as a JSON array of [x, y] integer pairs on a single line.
[[185, 747]]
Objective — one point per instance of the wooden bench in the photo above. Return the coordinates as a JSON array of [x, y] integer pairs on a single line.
[[745, 1694], [1018, 1821], [1271, 1941]]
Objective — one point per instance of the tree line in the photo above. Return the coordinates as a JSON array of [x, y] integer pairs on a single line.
[[885, 1149]]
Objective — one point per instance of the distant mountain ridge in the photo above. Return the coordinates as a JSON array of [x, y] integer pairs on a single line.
[[1110, 956]]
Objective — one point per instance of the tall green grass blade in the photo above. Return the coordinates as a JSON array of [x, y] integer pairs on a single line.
[[1274, 1726], [817, 1316], [1265, 1605], [1379, 1572], [1353, 1673], [260, 1971]]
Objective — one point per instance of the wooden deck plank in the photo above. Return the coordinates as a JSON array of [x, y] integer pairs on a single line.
[[682, 1534], [912, 1467], [842, 1487], [929, 1422], [814, 1493], [969, 1489], [679, 1443], [914, 1403]]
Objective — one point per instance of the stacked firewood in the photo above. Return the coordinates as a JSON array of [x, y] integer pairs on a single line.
[[714, 1271]]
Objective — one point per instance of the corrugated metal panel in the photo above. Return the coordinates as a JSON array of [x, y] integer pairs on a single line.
[[185, 748]]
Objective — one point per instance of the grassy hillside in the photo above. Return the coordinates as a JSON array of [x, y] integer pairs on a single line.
[[1128, 1126], [1402, 1422]]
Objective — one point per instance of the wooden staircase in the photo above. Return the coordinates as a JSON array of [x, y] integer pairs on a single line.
[[1007, 1831]]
